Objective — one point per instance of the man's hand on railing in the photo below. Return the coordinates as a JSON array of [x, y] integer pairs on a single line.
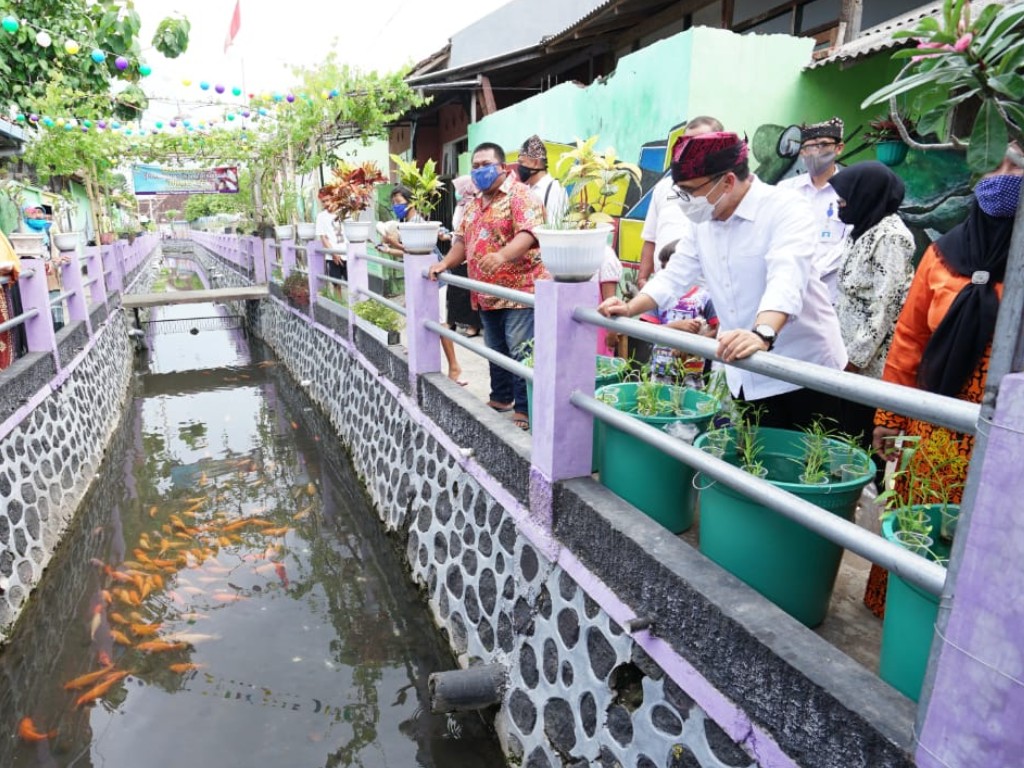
[[435, 270], [613, 306], [739, 344]]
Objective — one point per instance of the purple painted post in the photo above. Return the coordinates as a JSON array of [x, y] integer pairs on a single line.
[[115, 280], [94, 267], [421, 303], [39, 331], [287, 257], [260, 273], [317, 269], [564, 360], [973, 709], [71, 277], [358, 273]]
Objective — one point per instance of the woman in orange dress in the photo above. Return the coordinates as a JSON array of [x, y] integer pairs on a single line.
[[943, 337]]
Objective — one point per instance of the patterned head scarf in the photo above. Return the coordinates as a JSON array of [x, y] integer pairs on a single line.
[[708, 154], [534, 149], [830, 129]]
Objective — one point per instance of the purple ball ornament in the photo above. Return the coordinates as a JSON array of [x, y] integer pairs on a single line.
[[121, 63], [245, 113], [290, 97], [218, 88], [33, 118], [173, 123], [85, 129], [101, 124]]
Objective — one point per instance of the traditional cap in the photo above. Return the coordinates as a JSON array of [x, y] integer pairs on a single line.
[[707, 154], [534, 149], [830, 129]]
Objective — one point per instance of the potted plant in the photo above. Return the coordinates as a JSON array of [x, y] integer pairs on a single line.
[[382, 322], [646, 477], [884, 134], [296, 288], [349, 195], [425, 187], [790, 565], [67, 241], [281, 208], [572, 247], [918, 515]]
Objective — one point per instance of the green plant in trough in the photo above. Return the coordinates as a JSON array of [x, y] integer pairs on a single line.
[[374, 312], [748, 442]]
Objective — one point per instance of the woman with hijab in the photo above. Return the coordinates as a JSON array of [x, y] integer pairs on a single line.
[[944, 333], [874, 274]]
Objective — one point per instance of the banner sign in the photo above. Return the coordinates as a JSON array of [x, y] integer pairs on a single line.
[[154, 180]]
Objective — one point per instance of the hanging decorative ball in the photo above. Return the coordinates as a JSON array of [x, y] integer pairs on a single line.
[[159, 124], [187, 123], [33, 118], [333, 94], [10, 24], [121, 63], [145, 70], [68, 126], [44, 40], [48, 122], [236, 91], [263, 110], [101, 124], [60, 122], [85, 129], [142, 132], [218, 88], [173, 124], [97, 55], [246, 113], [71, 47], [115, 125], [87, 123], [186, 82], [290, 97], [19, 118], [204, 85], [231, 115], [127, 131], [278, 97]]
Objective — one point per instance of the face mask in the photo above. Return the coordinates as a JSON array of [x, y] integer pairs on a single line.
[[485, 176], [38, 225], [699, 209], [844, 214], [818, 164], [400, 209], [998, 195], [525, 173]]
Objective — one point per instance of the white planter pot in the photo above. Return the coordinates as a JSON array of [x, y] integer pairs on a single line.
[[307, 230], [30, 246], [420, 236], [573, 255], [356, 231], [284, 232], [67, 241]]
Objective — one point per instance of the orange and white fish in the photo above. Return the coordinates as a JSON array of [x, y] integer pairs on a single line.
[[160, 646], [102, 688], [192, 638], [185, 667], [96, 621], [27, 732]]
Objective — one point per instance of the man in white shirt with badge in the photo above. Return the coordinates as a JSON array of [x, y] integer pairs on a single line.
[[753, 246], [820, 145]]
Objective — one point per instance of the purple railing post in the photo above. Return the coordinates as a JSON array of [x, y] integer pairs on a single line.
[[564, 360], [109, 259], [316, 269], [260, 273], [94, 268], [358, 281], [973, 697], [39, 332], [71, 277], [287, 257], [421, 303]]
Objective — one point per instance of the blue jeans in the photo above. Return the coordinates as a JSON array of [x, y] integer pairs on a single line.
[[505, 331]]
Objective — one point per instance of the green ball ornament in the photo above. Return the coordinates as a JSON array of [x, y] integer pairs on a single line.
[[145, 70], [236, 91], [20, 118], [10, 24]]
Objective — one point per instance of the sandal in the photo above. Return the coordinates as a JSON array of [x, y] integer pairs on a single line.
[[522, 421], [500, 407], [473, 335]]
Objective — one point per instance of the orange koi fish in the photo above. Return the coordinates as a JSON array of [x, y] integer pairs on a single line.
[[120, 638], [87, 679], [117, 618], [152, 511], [311, 490], [102, 688], [145, 630], [104, 659], [186, 667], [157, 581], [107, 597], [27, 732], [294, 425], [282, 574], [160, 646], [276, 531]]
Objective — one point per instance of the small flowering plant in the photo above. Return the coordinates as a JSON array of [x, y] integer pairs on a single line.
[[352, 190]]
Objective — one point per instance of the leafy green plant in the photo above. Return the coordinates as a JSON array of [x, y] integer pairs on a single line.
[[424, 184], [373, 311], [815, 461], [595, 178], [745, 434], [296, 288], [961, 63], [351, 192]]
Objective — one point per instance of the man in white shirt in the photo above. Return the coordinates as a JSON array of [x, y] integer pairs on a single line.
[[665, 222], [533, 172], [820, 145], [753, 245], [328, 236]]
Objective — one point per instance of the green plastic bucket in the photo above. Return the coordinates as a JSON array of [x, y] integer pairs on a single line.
[[650, 480], [910, 615], [791, 566], [609, 371]]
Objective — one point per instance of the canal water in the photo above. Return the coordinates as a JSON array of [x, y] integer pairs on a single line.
[[226, 596]]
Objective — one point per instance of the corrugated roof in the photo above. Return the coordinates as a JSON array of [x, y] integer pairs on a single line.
[[597, 11]]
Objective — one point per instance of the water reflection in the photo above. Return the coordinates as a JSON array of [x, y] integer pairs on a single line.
[[227, 595]]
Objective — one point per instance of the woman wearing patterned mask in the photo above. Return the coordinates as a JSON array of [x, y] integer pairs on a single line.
[[944, 334]]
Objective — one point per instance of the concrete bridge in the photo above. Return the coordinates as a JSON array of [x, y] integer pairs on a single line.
[[210, 296]]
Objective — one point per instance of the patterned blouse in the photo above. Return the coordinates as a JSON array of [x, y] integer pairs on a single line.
[[874, 276], [486, 227]]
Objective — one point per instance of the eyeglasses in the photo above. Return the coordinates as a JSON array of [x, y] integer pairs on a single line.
[[686, 195], [814, 149]]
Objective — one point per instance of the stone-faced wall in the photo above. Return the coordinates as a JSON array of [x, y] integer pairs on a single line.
[[581, 692]]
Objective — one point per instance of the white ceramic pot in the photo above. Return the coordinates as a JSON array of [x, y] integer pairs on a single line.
[[284, 232], [573, 255], [307, 230], [67, 241], [420, 236], [30, 246], [356, 231]]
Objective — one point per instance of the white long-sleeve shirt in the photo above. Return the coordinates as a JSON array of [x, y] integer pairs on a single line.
[[759, 259], [830, 233]]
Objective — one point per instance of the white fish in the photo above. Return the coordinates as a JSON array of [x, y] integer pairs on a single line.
[[192, 638]]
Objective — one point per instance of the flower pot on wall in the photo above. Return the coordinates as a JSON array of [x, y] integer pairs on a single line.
[[67, 241], [793, 567], [284, 231], [306, 230], [357, 231], [573, 255], [419, 236], [891, 153]]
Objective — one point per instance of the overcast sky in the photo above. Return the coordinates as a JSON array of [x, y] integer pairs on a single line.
[[274, 36]]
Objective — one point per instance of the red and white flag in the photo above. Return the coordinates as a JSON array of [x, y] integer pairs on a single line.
[[236, 23]]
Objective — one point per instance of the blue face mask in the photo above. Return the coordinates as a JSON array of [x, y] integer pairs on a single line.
[[400, 209], [485, 176], [998, 196], [39, 225]]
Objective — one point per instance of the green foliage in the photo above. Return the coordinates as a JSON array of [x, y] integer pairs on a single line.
[[171, 37], [198, 206], [746, 427], [424, 184], [373, 311], [960, 63], [595, 178]]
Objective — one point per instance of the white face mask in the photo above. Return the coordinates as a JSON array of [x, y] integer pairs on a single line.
[[699, 209]]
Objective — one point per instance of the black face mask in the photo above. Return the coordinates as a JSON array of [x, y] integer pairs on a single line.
[[525, 173]]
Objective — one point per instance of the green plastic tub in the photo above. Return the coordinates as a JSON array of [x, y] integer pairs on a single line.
[[910, 615], [650, 480], [791, 566]]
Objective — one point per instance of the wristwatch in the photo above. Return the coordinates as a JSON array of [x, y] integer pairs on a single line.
[[766, 333]]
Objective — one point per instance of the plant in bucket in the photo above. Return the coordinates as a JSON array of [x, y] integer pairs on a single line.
[[349, 194], [649, 479], [425, 186], [572, 247], [790, 565], [919, 515]]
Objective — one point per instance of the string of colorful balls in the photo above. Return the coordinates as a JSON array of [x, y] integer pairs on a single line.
[[11, 24]]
